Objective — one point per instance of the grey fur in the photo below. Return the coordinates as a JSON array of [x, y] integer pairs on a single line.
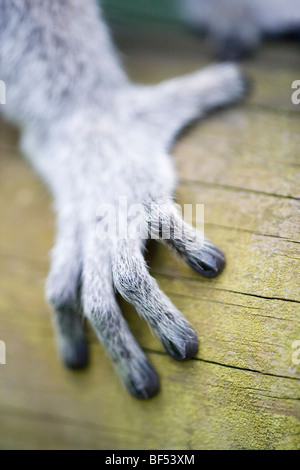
[[236, 27], [93, 136]]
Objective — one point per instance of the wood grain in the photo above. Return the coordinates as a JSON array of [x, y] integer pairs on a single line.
[[242, 390]]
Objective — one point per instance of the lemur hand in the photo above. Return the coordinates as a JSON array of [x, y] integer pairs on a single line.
[[100, 157]]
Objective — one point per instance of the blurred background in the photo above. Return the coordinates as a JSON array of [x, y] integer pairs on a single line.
[[231, 29], [135, 13]]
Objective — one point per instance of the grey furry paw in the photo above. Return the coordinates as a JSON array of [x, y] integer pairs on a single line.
[[87, 270], [88, 282], [96, 138]]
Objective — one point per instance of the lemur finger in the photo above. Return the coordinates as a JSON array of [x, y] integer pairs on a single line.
[[133, 281], [209, 260], [102, 311], [167, 225], [172, 104], [62, 292]]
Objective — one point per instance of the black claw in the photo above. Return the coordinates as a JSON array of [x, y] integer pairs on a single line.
[[184, 348], [192, 346], [76, 356], [207, 263], [144, 388]]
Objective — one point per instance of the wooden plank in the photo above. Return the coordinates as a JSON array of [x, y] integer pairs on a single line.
[[194, 410], [234, 329], [53, 408], [244, 155], [242, 389]]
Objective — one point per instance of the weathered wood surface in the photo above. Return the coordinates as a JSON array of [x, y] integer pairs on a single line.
[[242, 390]]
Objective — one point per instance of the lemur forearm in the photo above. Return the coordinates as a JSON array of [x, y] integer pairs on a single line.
[[55, 56]]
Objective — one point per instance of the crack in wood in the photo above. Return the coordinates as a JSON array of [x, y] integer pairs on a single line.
[[195, 279], [243, 369], [187, 182]]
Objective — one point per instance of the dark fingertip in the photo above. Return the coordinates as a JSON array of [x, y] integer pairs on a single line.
[[184, 349], [146, 388], [208, 264], [192, 346], [76, 357]]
